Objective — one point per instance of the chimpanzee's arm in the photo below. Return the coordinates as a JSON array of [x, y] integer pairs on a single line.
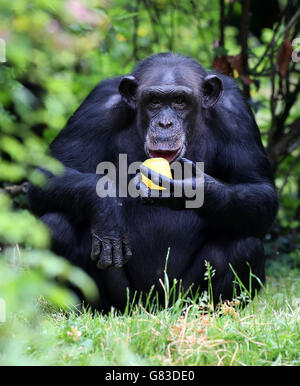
[[239, 195], [246, 208], [242, 195], [73, 193], [80, 146]]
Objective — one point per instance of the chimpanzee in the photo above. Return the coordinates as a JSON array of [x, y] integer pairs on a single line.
[[168, 107]]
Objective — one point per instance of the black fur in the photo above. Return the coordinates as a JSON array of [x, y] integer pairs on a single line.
[[240, 200]]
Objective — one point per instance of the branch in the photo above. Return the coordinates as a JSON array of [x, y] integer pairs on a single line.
[[290, 100], [222, 23], [135, 32], [244, 43], [15, 190], [283, 146], [289, 172], [274, 41], [290, 24]]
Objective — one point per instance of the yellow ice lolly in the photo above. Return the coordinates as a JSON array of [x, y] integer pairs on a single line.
[[159, 165]]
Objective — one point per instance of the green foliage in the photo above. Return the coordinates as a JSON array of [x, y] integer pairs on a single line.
[[38, 84], [25, 277], [20, 226]]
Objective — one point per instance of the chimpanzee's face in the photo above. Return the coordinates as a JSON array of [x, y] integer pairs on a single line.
[[167, 107], [167, 112]]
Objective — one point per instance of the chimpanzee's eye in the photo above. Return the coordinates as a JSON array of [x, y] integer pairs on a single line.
[[179, 100], [154, 102]]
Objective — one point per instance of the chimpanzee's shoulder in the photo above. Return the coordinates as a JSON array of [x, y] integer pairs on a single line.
[[104, 89]]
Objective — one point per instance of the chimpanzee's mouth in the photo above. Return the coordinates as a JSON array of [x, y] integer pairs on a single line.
[[169, 155]]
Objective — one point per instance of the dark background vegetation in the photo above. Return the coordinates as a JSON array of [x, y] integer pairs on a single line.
[[58, 50]]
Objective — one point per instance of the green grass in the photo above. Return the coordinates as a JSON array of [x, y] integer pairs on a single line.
[[266, 332]]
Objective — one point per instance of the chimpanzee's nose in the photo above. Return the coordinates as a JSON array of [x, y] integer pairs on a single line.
[[165, 124]]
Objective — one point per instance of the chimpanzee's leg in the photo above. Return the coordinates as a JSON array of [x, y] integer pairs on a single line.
[[241, 254], [63, 235], [74, 243]]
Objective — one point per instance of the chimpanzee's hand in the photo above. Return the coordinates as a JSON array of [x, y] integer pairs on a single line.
[[110, 244], [176, 192]]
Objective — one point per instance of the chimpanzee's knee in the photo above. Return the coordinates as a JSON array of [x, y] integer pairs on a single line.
[[63, 237], [245, 263]]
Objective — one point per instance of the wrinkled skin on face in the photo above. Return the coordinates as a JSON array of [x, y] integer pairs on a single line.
[[168, 103]]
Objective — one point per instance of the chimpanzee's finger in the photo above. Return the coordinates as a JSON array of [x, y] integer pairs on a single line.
[[142, 189], [96, 247], [137, 179], [127, 252], [105, 258], [195, 168], [117, 253], [188, 161], [157, 178]]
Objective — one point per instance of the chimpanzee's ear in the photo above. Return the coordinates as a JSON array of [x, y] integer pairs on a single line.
[[127, 88], [212, 89]]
